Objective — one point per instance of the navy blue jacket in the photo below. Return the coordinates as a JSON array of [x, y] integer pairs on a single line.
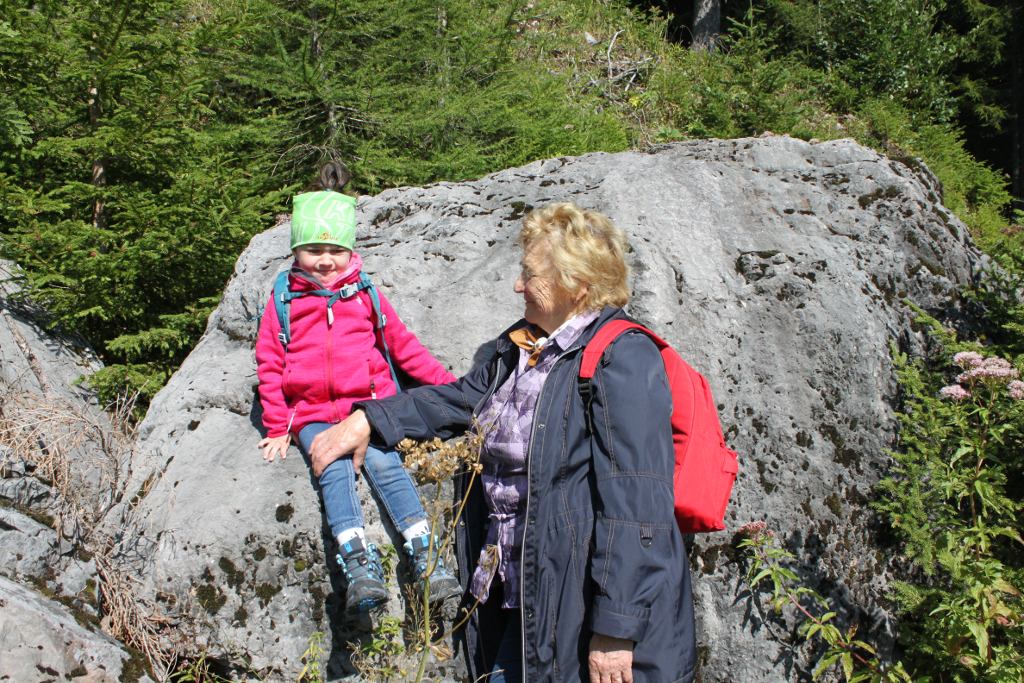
[[601, 552]]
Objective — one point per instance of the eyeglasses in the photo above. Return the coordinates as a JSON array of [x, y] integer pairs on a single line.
[[526, 274]]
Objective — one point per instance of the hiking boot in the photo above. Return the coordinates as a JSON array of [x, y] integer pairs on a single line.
[[363, 575], [443, 584]]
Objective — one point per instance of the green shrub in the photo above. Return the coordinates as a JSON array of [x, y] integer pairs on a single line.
[[955, 495]]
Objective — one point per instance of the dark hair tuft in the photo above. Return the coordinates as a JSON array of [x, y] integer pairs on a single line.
[[333, 177]]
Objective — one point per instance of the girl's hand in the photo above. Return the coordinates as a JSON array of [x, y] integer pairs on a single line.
[[278, 444], [611, 660], [352, 435]]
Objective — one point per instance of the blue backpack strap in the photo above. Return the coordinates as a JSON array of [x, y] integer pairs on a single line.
[[282, 301], [382, 321], [283, 308]]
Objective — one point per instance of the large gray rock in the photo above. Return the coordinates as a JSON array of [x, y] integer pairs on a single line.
[[42, 641], [35, 359], [776, 267], [59, 458]]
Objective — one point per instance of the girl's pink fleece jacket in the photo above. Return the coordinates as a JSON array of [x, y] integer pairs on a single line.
[[329, 367]]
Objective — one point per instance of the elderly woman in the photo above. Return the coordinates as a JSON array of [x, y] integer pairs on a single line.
[[569, 541]]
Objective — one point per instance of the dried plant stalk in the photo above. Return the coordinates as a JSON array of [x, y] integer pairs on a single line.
[[130, 619], [433, 462], [62, 443]]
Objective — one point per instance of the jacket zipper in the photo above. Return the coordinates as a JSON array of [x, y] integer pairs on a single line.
[[529, 472], [330, 367], [526, 512]]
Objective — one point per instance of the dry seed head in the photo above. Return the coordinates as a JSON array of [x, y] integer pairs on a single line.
[[436, 461]]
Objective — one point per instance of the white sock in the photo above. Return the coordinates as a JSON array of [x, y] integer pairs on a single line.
[[418, 529], [349, 534]]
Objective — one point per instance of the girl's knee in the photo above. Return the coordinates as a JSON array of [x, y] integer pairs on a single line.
[[382, 463], [340, 469]]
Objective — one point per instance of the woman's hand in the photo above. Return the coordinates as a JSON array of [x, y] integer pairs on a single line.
[[272, 446], [352, 435], [611, 659]]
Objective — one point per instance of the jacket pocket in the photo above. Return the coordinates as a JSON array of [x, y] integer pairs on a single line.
[[567, 553], [286, 382], [352, 378]]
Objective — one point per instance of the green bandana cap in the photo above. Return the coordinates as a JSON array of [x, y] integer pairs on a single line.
[[324, 218]]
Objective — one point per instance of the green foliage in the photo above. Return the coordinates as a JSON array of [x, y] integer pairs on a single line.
[[414, 93], [745, 90], [858, 659], [955, 496], [884, 50], [999, 292], [380, 657], [129, 200], [312, 672]]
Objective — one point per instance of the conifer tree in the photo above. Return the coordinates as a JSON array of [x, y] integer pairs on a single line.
[[126, 189]]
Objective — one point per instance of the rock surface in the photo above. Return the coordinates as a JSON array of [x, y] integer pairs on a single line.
[[34, 359], [776, 267], [51, 475], [43, 642]]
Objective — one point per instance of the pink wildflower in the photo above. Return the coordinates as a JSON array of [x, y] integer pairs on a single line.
[[968, 358], [989, 367], [1016, 389], [996, 367], [757, 530], [955, 391]]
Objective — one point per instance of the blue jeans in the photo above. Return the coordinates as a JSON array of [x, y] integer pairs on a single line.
[[508, 666], [384, 470]]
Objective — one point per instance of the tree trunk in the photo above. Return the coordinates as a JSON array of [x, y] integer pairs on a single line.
[[317, 50], [1017, 108], [99, 170], [707, 24], [442, 28]]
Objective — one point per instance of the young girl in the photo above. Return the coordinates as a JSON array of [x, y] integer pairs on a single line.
[[332, 360]]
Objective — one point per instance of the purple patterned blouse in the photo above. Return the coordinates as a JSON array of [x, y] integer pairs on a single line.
[[509, 413]]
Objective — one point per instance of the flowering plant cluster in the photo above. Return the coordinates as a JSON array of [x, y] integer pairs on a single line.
[[993, 373], [954, 495]]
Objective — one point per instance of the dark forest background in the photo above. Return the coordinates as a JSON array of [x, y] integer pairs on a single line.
[[143, 143]]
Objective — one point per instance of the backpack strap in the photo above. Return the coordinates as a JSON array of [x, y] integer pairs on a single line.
[[592, 356], [284, 310], [284, 295], [382, 321]]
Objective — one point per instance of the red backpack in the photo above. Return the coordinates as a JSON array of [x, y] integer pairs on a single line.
[[705, 469]]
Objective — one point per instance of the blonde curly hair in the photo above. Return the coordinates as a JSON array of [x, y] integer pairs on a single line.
[[586, 249]]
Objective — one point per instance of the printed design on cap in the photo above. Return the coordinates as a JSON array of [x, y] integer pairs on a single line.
[[324, 217]]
